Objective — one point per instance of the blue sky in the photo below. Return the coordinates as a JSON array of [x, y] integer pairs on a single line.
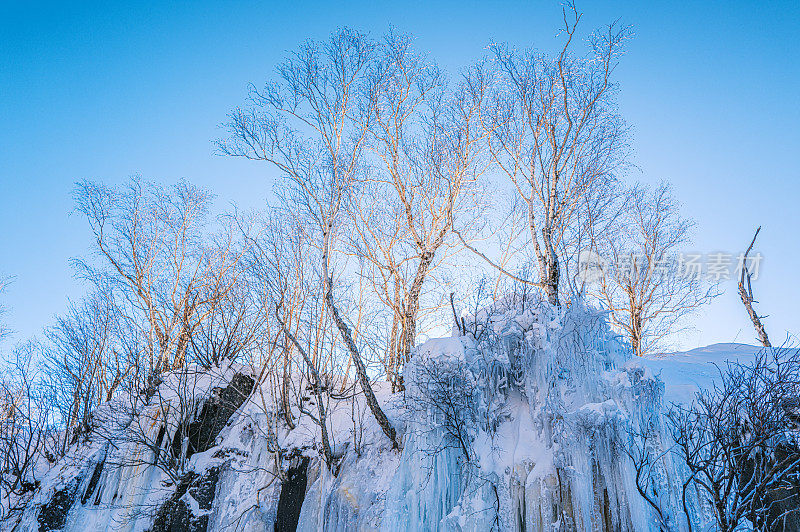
[[109, 89]]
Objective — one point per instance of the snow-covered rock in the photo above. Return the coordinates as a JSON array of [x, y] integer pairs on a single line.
[[544, 405]]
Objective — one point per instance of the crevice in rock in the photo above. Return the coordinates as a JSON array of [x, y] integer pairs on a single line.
[[290, 502]]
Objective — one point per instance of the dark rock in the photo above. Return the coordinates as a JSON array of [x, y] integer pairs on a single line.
[[176, 516], [98, 470], [290, 502], [780, 509], [53, 515], [203, 490], [213, 417]]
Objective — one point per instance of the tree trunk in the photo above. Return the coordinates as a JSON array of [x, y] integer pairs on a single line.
[[747, 300], [285, 404], [344, 331], [552, 271], [323, 424], [636, 333], [746, 294], [551, 281], [361, 370], [408, 335], [394, 344], [549, 272]]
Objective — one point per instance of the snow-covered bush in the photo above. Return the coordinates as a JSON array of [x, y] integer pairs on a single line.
[[442, 398], [739, 440]]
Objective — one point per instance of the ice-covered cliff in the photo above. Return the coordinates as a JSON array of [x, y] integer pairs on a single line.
[[523, 420]]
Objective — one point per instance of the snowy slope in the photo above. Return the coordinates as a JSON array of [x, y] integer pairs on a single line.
[[547, 401], [684, 373]]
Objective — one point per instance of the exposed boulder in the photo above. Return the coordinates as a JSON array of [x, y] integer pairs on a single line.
[[188, 508], [216, 412]]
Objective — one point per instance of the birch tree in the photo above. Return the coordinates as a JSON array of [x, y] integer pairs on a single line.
[[85, 361], [556, 134], [312, 125], [426, 146], [155, 251], [644, 285]]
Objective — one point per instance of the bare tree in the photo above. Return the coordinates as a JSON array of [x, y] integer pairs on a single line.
[[299, 324], [426, 145], [317, 387], [738, 441], [647, 457], [643, 284], [26, 430], [234, 328], [556, 135], [85, 361], [156, 252], [444, 393], [746, 294], [598, 218], [4, 332], [313, 126], [281, 260]]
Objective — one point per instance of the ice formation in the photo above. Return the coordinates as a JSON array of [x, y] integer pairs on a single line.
[[541, 406]]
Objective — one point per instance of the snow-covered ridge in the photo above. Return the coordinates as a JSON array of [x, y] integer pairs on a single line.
[[546, 402], [684, 373]]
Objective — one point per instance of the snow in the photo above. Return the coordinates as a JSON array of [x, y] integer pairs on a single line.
[[441, 348], [684, 373], [552, 395]]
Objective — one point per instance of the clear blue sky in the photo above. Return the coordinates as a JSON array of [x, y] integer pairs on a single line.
[[105, 90]]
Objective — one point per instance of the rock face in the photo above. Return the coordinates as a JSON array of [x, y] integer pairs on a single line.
[[781, 506], [521, 426], [114, 479], [293, 493], [53, 515], [188, 508], [203, 431], [95, 478]]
